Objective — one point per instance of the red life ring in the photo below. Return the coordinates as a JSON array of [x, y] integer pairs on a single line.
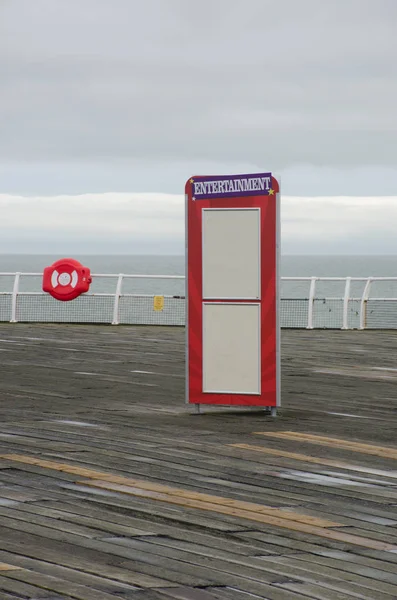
[[66, 279]]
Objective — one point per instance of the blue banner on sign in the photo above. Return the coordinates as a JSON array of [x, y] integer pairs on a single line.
[[231, 186]]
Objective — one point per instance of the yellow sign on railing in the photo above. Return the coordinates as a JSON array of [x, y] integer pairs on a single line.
[[158, 303]]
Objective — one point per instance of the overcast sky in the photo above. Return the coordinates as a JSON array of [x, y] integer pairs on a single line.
[[108, 106]]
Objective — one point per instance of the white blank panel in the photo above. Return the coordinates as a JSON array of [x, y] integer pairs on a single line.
[[231, 253], [231, 348]]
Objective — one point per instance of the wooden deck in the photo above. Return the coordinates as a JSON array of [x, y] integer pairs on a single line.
[[110, 487]]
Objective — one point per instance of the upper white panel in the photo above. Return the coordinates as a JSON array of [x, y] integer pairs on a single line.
[[231, 253]]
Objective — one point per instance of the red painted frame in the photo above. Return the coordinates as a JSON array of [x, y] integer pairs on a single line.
[[270, 359]]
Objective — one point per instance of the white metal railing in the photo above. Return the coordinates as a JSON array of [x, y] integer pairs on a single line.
[[305, 306], [363, 299]]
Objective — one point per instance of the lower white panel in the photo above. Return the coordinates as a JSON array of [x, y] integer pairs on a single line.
[[231, 348]]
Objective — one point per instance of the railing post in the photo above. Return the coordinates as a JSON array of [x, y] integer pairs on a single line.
[[117, 299], [346, 299], [311, 302], [364, 300], [14, 297]]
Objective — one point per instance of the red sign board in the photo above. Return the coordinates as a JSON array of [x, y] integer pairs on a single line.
[[232, 246]]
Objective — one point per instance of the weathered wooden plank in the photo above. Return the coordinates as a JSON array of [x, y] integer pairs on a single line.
[[147, 595], [197, 479], [330, 533], [154, 565], [374, 534], [215, 561], [330, 575], [8, 567], [295, 541], [269, 592], [155, 487], [92, 527], [210, 547], [317, 460], [148, 435], [19, 493], [351, 566], [42, 444], [352, 446], [227, 593], [386, 564], [186, 593], [5, 596], [360, 511], [282, 496], [165, 493], [318, 592], [20, 589], [91, 561], [112, 522], [139, 507], [9, 517], [54, 584], [163, 566], [49, 480], [102, 583], [365, 524]]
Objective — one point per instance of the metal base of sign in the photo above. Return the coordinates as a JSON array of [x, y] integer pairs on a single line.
[[267, 409]]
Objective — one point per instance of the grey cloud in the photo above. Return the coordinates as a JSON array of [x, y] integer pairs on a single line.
[[262, 83], [169, 177], [154, 223]]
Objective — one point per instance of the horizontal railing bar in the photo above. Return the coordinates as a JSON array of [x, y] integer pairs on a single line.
[[151, 296], [371, 298], [106, 275], [24, 274], [338, 278], [180, 277], [91, 295], [325, 278], [143, 276], [177, 297]]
